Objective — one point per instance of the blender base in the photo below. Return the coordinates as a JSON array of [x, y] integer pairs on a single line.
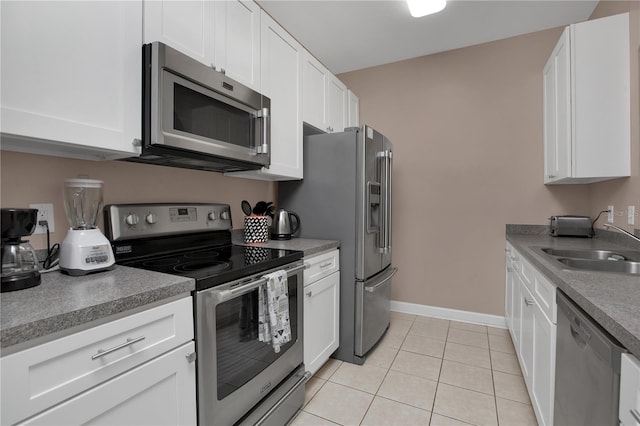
[[84, 251]]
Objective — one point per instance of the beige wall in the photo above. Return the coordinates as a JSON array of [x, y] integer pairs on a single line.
[[467, 132], [623, 192], [27, 178]]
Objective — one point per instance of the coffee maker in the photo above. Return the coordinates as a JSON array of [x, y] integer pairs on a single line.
[[19, 260]]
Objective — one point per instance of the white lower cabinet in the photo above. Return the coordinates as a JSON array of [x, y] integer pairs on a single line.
[[138, 369], [321, 309], [530, 309], [159, 392], [629, 414]]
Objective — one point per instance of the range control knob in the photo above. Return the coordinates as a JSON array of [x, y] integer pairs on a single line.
[[151, 218], [224, 215], [211, 216], [132, 219]]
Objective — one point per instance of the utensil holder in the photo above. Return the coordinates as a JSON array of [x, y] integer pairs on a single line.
[[256, 229]]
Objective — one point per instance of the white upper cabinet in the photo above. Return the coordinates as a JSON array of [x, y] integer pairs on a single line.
[[71, 78], [237, 35], [221, 34], [587, 103], [337, 100], [281, 81], [315, 88], [324, 97], [187, 26], [353, 110]]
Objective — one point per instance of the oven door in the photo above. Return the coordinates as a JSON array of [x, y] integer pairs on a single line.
[[236, 370]]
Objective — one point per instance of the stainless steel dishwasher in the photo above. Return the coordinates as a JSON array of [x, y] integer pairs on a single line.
[[587, 385]]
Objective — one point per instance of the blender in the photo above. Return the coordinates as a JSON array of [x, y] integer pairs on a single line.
[[85, 249], [19, 260]]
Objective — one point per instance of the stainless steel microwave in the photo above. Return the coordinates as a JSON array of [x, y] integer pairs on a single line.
[[196, 117]]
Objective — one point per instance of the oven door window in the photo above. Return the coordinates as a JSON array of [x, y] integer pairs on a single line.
[[206, 119], [240, 355]]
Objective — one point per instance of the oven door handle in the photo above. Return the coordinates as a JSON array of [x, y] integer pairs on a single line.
[[225, 295]]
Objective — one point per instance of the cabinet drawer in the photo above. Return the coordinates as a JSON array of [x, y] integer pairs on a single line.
[[40, 377], [545, 294], [629, 391], [320, 266]]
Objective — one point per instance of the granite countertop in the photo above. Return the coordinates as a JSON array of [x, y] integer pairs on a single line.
[[309, 246], [611, 299], [61, 302]]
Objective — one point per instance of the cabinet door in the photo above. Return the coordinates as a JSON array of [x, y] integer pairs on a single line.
[[71, 77], [321, 321], [159, 392], [516, 329], [281, 81], [353, 110], [337, 101], [544, 367], [315, 89], [187, 26], [557, 111], [508, 294], [237, 40], [629, 391], [527, 306]]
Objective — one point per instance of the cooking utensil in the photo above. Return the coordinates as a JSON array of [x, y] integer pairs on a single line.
[[261, 207], [246, 207]]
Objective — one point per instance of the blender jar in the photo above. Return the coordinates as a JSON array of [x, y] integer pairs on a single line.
[[82, 202]]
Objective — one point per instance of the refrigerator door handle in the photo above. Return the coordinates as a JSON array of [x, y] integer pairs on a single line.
[[384, 237], [384, 280]]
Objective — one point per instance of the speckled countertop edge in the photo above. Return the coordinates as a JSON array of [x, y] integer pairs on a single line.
[[310, 247], [62, 302], [611, 299]]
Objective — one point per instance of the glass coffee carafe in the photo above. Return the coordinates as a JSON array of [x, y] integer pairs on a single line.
[[19, 260]]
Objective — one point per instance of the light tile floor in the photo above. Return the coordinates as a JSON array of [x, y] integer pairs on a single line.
[[425, 371]]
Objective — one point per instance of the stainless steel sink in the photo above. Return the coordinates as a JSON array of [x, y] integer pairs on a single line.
[[623, 266], [622, 261], [594, 254]]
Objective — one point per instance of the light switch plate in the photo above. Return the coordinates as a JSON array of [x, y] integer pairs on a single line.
[[631, 215]]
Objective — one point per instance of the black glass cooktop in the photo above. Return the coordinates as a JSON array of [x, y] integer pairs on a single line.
[[217, 265]]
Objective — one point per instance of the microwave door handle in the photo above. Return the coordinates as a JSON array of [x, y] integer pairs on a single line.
[[263, 144]]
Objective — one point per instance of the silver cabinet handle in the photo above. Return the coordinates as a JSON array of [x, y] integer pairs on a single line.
[[324, 265], [509, 269], [551, 176], [191, 356], [309, 294], [635, 414], [137, 142], [529, 302], [130, 341]]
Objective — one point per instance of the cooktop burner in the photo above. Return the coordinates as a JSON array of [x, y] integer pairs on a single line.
[[192, 240], [216, 265]]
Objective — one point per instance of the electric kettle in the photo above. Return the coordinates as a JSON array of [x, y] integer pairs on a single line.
[[282, 227]]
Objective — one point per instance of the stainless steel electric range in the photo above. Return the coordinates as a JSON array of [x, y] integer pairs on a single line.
[[241, 380]]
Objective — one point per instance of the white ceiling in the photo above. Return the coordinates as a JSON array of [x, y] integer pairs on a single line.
[[349, 35]]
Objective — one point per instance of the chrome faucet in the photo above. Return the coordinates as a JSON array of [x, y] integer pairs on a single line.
[[627, 233]]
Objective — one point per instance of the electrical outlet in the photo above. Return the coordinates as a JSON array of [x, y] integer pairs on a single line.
[[610, 214], [631, 215], [45, 212]]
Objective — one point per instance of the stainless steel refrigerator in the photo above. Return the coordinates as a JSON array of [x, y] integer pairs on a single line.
[[346, 195]]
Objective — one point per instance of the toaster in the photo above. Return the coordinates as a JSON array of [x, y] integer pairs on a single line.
[[570, 226]]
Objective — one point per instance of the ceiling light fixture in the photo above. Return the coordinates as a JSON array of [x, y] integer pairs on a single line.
[[419, 8]]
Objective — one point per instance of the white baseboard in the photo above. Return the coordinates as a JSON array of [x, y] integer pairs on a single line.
[[449, 314]]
